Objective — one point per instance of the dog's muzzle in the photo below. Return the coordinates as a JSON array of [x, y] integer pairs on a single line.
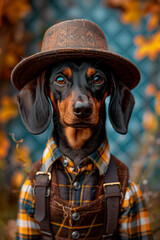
[[82, 109]]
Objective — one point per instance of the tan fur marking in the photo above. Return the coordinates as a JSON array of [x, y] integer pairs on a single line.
[[53, 101], [65, 110], [67, 72], [77, 137], [105, 95], [67, 116], [91, 72], [96, 109]]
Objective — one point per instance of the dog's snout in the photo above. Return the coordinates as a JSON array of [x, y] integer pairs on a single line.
[[82, 109]]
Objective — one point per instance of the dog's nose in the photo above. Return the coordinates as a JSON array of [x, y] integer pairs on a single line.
[[82, 109]]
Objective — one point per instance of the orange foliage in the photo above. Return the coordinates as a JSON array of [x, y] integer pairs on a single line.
[[157, 103], [17, 179], [151, 90], [11, 56], [152, 8], [13, 11], [13, 35], [153, 21], [132, 13], [116, 3], [150, 121], [4, 144], [8, 109], [148, 47]]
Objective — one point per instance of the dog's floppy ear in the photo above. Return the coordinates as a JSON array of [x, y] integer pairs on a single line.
[[34, 106], [120, 107]]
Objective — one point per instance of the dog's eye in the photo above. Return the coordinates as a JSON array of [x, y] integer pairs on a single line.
[[97, 79], [61, 80]]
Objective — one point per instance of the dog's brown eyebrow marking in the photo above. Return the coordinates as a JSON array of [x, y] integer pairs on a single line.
[[91, 72], [67, 72]]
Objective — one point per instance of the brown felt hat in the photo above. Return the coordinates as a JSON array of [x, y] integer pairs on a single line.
[[74, 39]]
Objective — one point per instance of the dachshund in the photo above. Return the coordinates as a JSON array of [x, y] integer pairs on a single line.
[[67, 83], [72, 94]]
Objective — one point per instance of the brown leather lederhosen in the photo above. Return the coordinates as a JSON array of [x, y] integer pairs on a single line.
[[96, 220]]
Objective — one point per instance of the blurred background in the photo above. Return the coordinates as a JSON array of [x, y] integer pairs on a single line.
[[132, 29]]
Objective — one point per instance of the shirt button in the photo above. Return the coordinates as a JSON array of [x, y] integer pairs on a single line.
[[65, 163], [75, 216], [77, 186], [75, 235]]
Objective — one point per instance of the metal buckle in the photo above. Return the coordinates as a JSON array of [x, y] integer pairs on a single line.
[[44, 173], [48, 191], [46, 233], [107, 236], [111, 184]]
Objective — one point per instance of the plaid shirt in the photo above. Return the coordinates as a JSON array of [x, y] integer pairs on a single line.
[[133, 221]]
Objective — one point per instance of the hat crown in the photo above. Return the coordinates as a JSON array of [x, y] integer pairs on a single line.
[[74, 34], [69, 40]]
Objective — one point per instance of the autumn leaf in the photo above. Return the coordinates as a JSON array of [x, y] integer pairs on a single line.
[[10, 59], [152, 10], [153, 21], [151, 6], [150, 90], [147, 47], [157, 103], [157, 107], [17, 179], [116, 3], [132, 13], [150, 121], [8, 109], [4, 144], [15, 10]]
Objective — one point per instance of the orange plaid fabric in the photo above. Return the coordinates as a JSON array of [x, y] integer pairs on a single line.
[[71, 168], [133, 219]]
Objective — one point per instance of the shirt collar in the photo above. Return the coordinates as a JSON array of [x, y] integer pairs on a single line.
[[100, 157], [50, 155]]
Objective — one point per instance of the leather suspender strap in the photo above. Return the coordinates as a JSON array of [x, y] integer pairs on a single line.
[[42, 194], [112, 201]]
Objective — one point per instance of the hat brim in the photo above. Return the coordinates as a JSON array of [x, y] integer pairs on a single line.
[[32, 66]]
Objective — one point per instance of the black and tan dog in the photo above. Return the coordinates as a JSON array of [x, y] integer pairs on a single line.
[[74, 191], [77, 91]]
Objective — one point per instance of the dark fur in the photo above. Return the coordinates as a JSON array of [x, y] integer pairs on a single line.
[[35, 109]]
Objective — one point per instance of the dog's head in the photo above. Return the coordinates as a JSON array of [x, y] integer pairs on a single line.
[[77, 92]]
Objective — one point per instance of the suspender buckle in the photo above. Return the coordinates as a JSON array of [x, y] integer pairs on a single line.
[[107, 236], [111, 184], [48, 190], [44, 173], [46, 233]]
